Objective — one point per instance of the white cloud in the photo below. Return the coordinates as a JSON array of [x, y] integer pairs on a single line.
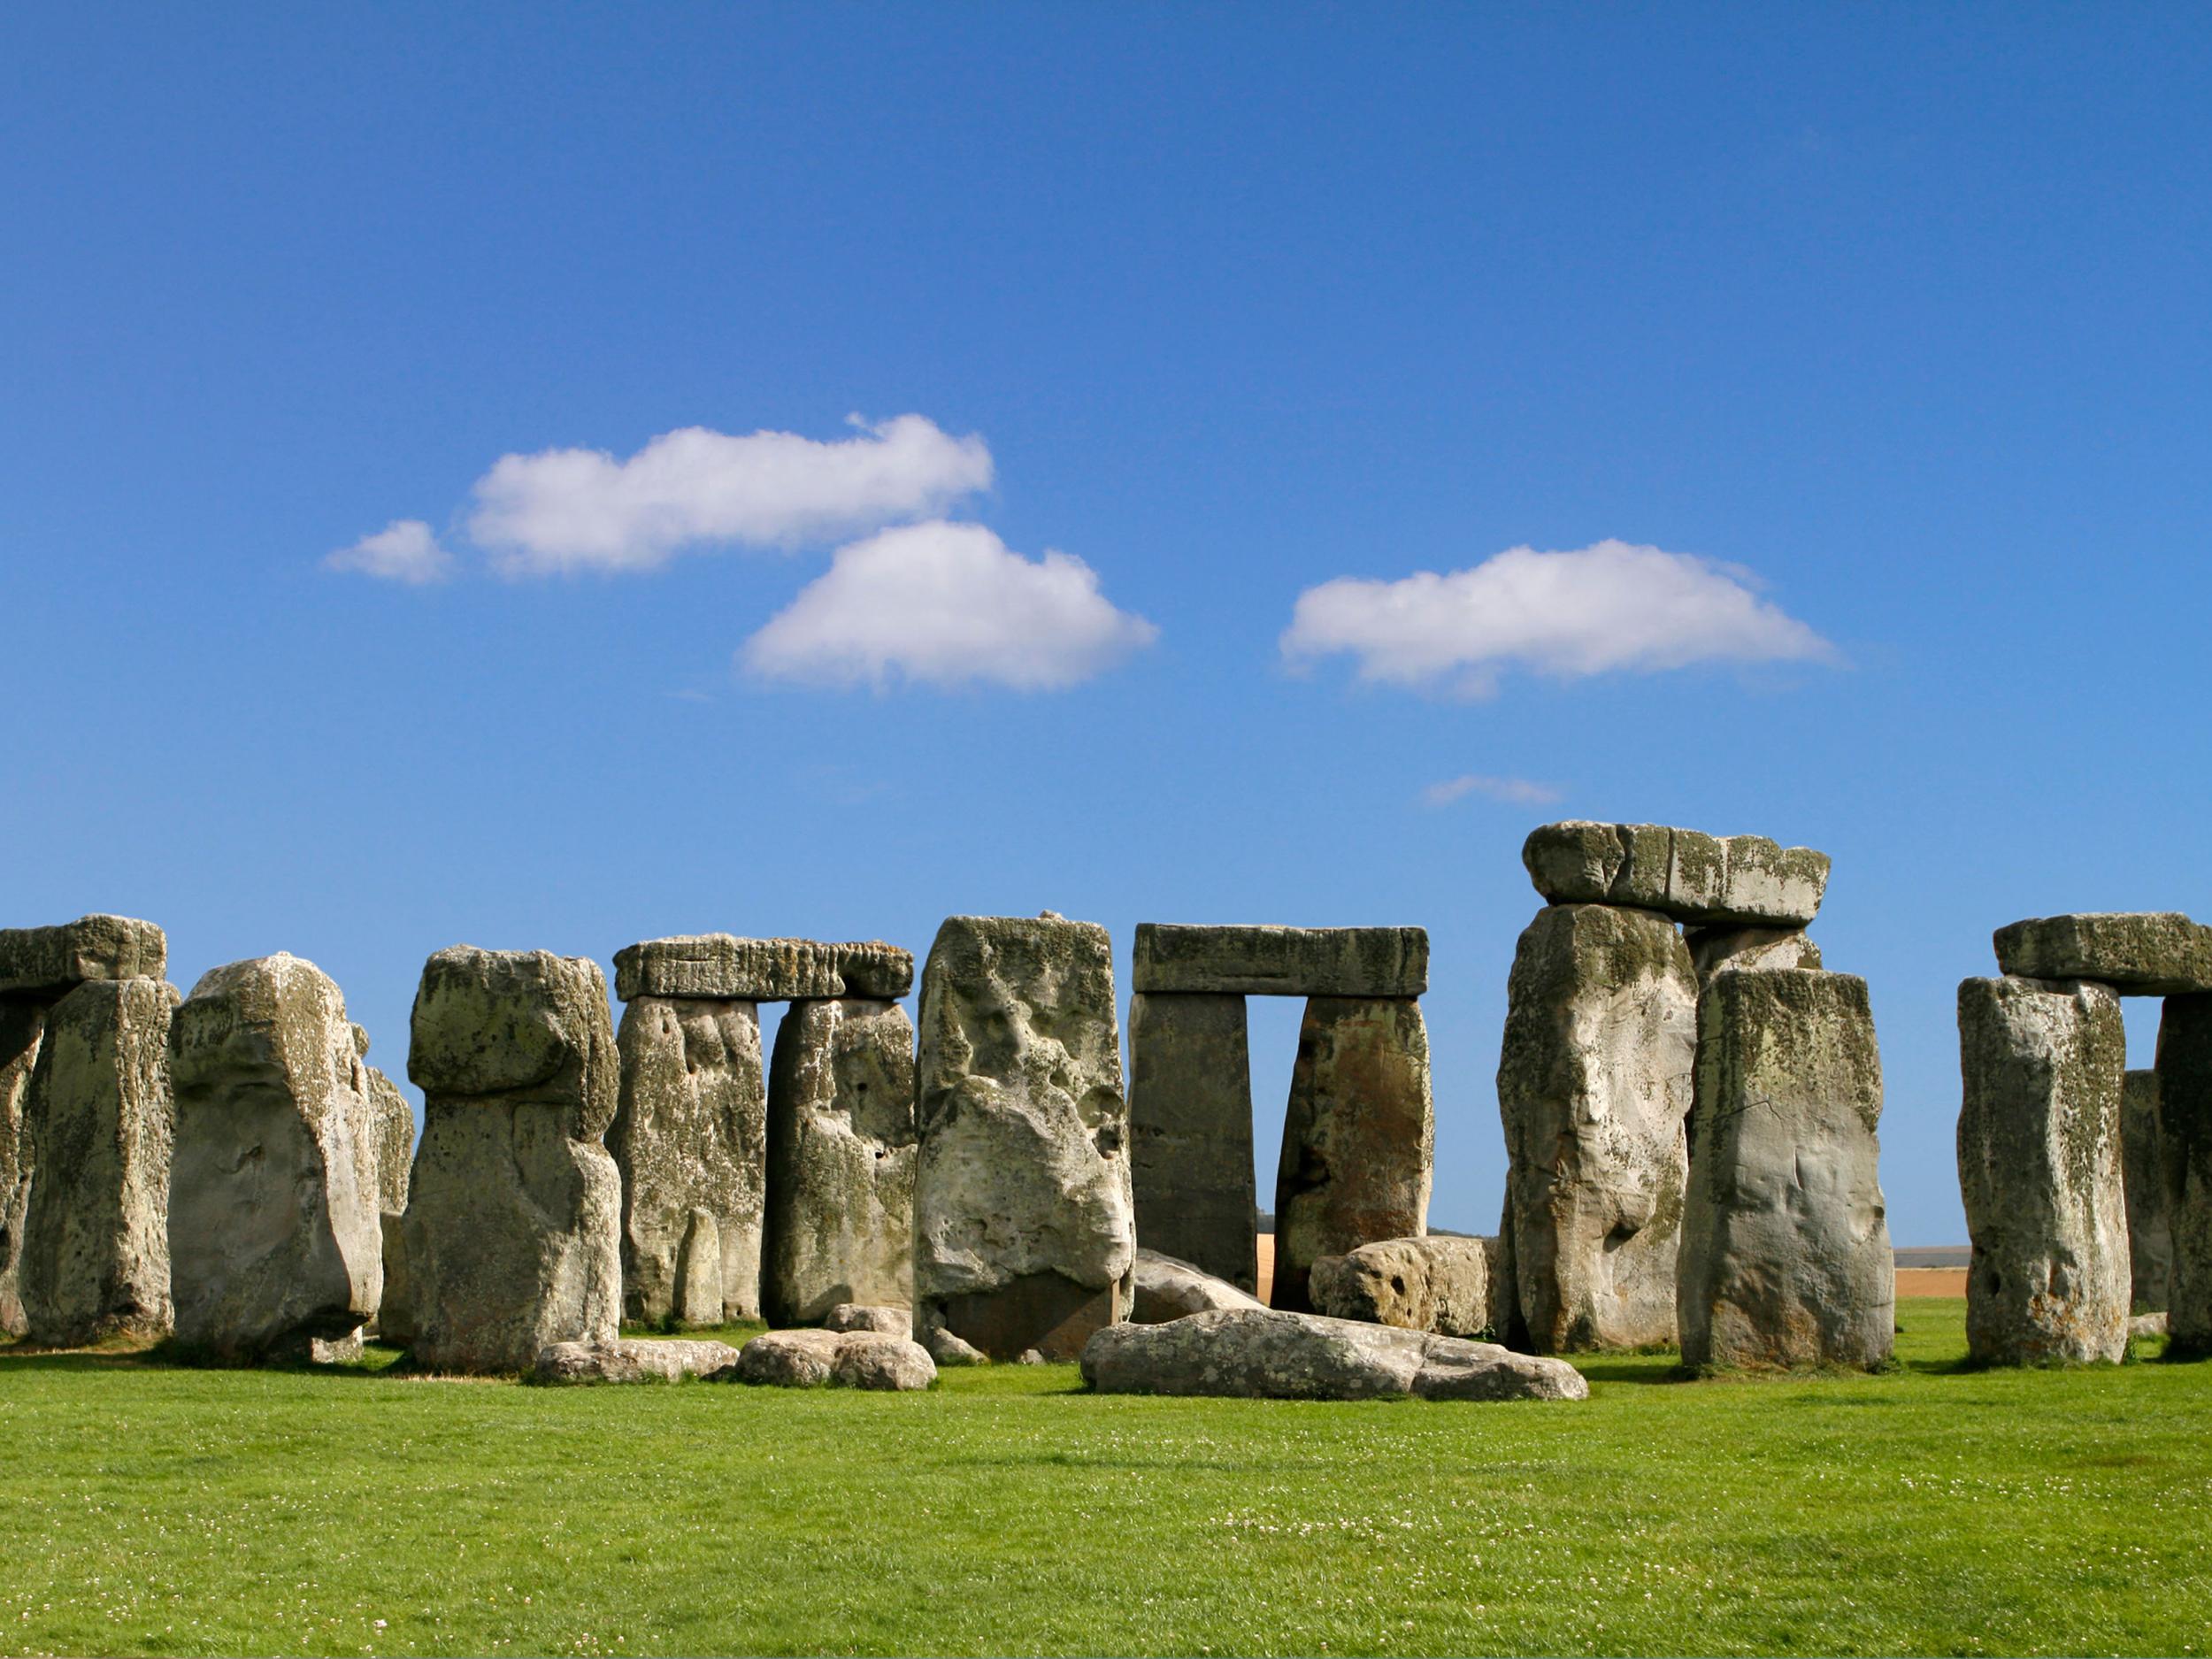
[[403, 551], [945, 604], [1511, 791], [565, 510], [1613, 606]]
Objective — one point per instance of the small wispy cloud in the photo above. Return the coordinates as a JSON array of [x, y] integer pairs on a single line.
[[1510, 791], [404, 551]]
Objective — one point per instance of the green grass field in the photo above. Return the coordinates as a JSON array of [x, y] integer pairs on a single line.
[[146, 1509]]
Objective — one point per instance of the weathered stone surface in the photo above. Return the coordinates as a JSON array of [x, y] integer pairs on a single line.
[[1440, 1285], [841, 1160], [719, 967], [2148, 1324], [851, 1359], [513, 1222], [1686, 874], [52, 961], [1358, 1139], [395, 1319], [690, 1135], [2039, 1140], [1165, 1288], [948, 1349], [96, 1228], [1785, 1257], [393, 1122], [1595, 1082], [1265, 1354], [885, 1362], [1023, 1227], [2143, 1176], [626, 1361], [274, 1233], [2157, 953], [1241, 961], [852, 1316], [22, 1020], [1730, 949], [2184, 1140], [1190, 1133]]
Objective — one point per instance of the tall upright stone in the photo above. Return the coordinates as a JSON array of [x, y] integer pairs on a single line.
[[514, 1225], [1190, 1133], [1358, 1138], [275, 1241], [1785, 1258], [22, 1020], [2143, 1174], [2039, 1144], [839, 1224], [2185, 1125], [1594, 1085], [1024, 1228], [392, 1126]]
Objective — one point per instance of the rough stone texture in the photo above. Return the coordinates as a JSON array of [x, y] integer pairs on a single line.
[[1440, 1285], [717, 967], [630, 1361], [393, 1122], [2039, 1141], [1731, 949], [1190, 1131], [851, 1359], [1785, 1257], [1690, 876], [22, 1020], [1595, 1082], [2159, 953], [948, 1349], [2148, 1324], [51, 960], [1166, 1288], [395, 1319], [851, 1317], [888, 1363], [96, 1228], [273, 1232], [1023, 1227], [690, 1135], [513, 1224], [1363, 962], [839, 1224], [2143, 1176], [1358, 1138], [1264, 1354], [2185, 1125]]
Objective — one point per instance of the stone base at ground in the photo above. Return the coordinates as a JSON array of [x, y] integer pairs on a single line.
[[630, 1361], [948, 1349], [1168, 1289], [1439, 1285]]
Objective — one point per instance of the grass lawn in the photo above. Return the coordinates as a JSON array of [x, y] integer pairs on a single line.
[[144, 1509]]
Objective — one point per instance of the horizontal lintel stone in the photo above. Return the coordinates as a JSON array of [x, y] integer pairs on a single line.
[[1685, 874], [1363, 961], [57, 959], [722, 967], [2150, 953]]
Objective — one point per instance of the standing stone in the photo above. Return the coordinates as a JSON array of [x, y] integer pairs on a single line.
[[1190, 1133], [392, 1126], [841, 1160], [1024, 1226], [2185, 1125], [1358, 1138], [513, 1228], [690, 1133], [274, 1241], [2143, 1173], [1785, 1257], [22, 1020], [395, 1315], [96, 1230], [1595, 1082], [2040, 1170], [1733, 950]]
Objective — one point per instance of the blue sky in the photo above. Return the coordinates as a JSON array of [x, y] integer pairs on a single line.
[[1886, 327]]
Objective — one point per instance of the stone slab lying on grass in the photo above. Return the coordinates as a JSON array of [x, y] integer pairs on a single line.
[[1440, 1284], [1685, 874], [720, 967], [1280, 961], [850, 1359], [1265, 1355], [852, 1316], [629, 1360], [1166, 1288], [50, 961], [948, 1349], [2147, 953]]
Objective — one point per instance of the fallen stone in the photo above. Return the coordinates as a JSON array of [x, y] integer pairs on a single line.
[[626, 1361], [51, 962], [1264, 1354], [852, 1316], [948, 1349], [1358, 1137], [1439, 1285], [393, 1122], [1024, 1229], [1355, 962], [2143, 1177], [2145, 954], [1731, 949], [1785, 1258], [717, 967], [888, 1363], [1031, 1357], [514, 1225], [1190, 1131], [1685, 874], [852, 1359], [1594, 1085], [2185, 1144], [839, 1219], [2147, 1325], [395, 1321], [274, 1241], [2039, 1145], [1165, 1288], [22, 1020], [95, 1258]]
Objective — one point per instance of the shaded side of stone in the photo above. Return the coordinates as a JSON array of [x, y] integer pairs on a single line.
[[1244, 961], [1190, 1133], [2143, 1174], [22, 1020], [2158, 953], [2185, 1123], [393, 1125], [49, 962]]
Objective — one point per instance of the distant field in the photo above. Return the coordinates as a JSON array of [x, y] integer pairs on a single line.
[[1929, 1510]]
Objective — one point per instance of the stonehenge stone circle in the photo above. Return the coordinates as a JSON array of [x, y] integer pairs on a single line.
[[1786, 1255], [513, 1222], [1024, 1225], [1190, 1131], [840, 1224], [1358, 1138], [1166, 1288], [2040, 1170], [1435, 1284], [1356, 962], [2154, 954], [276, 1240], [1595, 1083], [1744, 880], [2143, 1176], [2185, 1122]]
